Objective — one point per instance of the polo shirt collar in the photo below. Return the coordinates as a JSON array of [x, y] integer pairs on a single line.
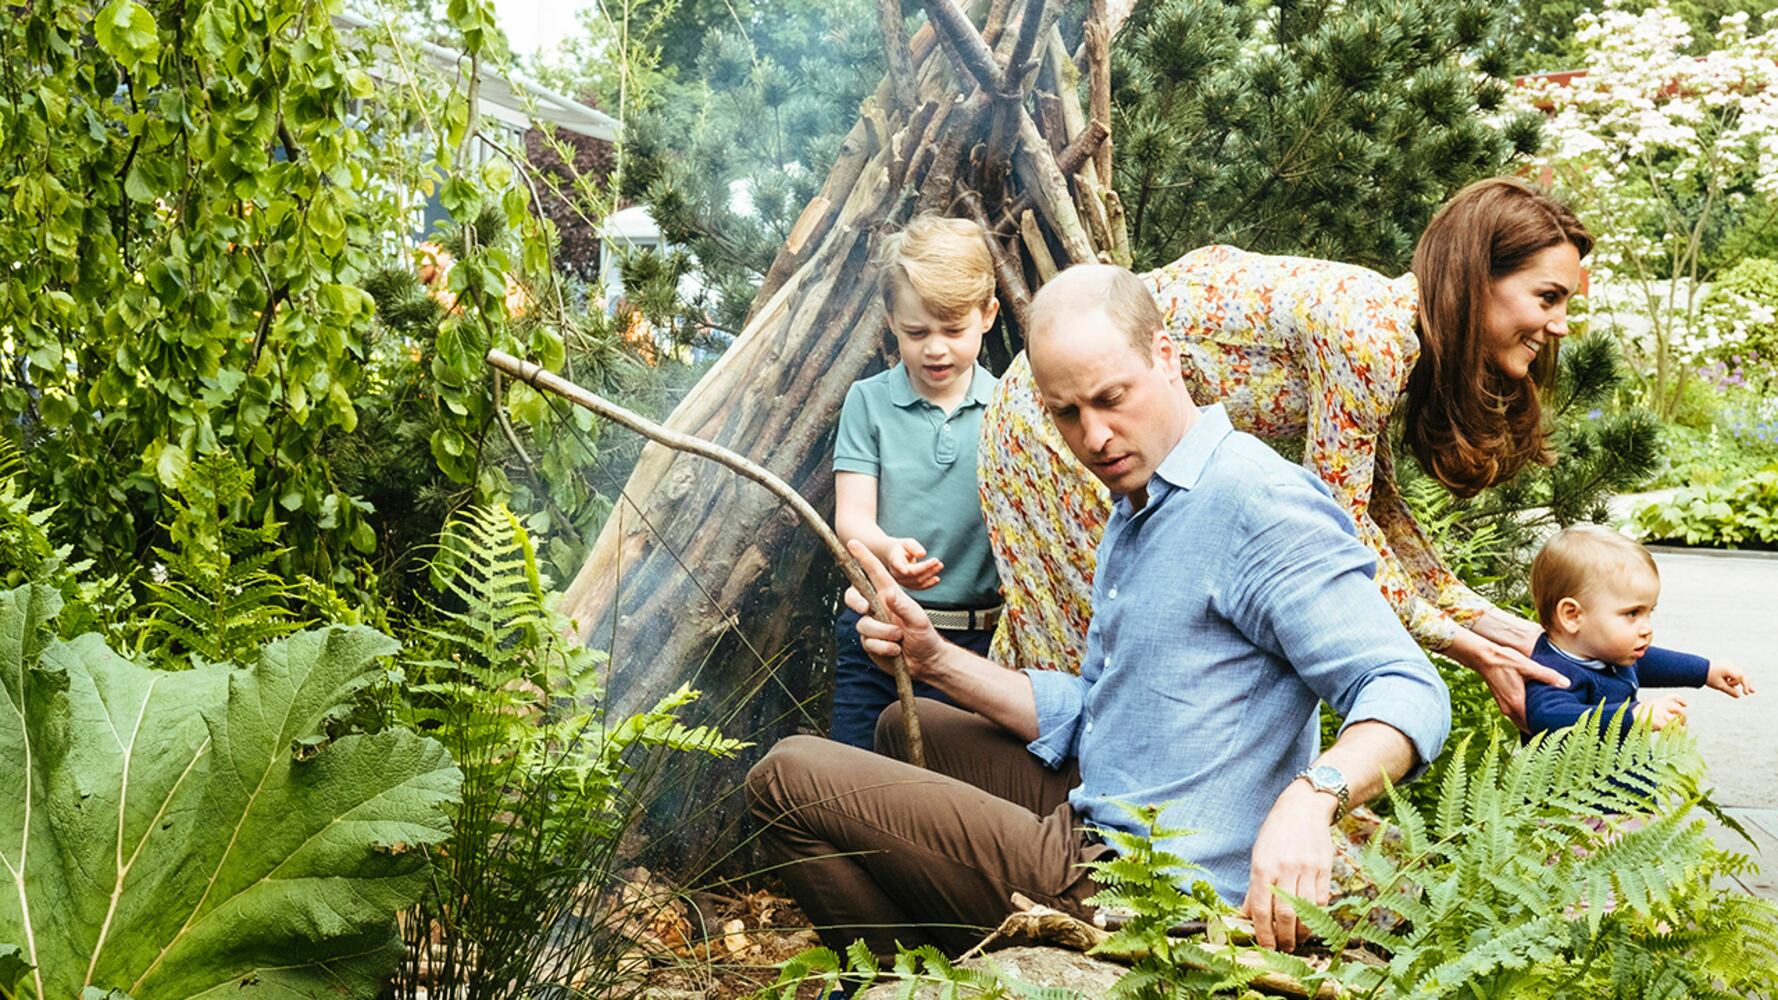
[[1185, 464], [901, 387]]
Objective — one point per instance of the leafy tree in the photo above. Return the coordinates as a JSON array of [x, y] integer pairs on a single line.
[[1543, 31], [1286, 127], [741, 137], [1661, 150]]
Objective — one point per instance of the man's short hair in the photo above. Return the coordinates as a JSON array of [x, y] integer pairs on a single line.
[[1574, 558], [1125, 298]]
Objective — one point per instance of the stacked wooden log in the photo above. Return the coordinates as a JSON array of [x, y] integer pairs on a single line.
[[704, 578]]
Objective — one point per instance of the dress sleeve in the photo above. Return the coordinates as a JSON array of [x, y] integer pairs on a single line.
[[1044, 512], [1356, 328], [1419, 560]]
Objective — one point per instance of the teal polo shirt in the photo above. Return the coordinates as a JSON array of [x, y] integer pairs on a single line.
[[924, 463]]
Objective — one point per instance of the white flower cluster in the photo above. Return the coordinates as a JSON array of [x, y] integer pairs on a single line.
[[1652, 139]]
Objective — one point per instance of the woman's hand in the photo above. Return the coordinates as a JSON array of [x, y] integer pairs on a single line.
[[1505, 671], [1508, 629]]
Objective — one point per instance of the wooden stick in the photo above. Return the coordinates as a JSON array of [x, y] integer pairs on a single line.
[[1098, 43], [1070, 160], [901, 64], [1036, 247], [1014, 294], [976, 58], [538, 377]]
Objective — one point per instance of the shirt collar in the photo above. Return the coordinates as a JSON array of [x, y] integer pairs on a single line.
[[901, 387], [1590, 664], [1185, 464]]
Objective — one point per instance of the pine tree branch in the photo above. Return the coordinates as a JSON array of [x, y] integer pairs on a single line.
[[539, 378]]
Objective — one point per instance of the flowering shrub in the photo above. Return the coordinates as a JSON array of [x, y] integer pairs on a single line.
[[1655, 147], [1738, 321]]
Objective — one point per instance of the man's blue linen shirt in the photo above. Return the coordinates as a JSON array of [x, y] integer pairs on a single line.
[[1224, 610]]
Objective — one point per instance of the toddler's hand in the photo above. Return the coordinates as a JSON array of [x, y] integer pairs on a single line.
[[1662, 711], [910, 567], [1729, 680]]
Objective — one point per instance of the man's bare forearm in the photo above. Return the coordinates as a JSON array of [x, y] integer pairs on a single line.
[[1000, 695], [1364, 753]]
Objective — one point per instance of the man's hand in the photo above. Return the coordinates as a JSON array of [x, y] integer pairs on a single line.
[[1661, 711], [1729, 680], [909, 566], [1505, 671], [1293, 852], [909, 631]]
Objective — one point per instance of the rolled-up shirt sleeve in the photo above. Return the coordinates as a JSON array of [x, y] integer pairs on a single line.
[[1060, 697], [1306, 592]]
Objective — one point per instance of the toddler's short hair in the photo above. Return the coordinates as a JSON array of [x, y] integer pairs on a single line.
[[1573, 558], [943, 261]]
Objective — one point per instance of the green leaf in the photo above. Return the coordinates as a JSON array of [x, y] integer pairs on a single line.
[[126, 32], [213, 862], [13, 968], [170, 464]]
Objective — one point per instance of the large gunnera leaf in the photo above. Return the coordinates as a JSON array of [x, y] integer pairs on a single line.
[[193, 834]]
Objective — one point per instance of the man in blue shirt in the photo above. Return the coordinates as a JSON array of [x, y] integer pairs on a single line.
[[1231, 596]]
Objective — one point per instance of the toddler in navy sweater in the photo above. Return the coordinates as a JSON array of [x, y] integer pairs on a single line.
[[1595, 591]]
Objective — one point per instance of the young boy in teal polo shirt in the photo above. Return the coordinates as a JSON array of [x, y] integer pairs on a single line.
[[904, 463]]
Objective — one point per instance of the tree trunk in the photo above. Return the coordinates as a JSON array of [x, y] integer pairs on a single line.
[[702, 578]]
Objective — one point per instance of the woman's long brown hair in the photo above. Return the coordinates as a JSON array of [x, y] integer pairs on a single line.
[[1468, 423]]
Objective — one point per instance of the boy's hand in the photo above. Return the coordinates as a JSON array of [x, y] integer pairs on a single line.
[[1661, 711], [909, 566], [909, 632], [1729, 680]]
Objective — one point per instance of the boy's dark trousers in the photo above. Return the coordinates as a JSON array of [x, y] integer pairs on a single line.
[[861, 691]]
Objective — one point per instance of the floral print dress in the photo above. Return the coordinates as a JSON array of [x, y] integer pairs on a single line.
[[1293, 348]]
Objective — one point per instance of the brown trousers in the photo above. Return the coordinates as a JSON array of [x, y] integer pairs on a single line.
[[875, 848]]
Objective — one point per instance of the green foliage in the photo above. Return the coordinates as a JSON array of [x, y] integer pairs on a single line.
[[230, 838], [1741, 515], [1543, 30], [1740, 316], [1573, 866], [1285, 127], [523, 895], [1149, 889], [27, 555], [914, 967], [759, 105], [1568, 867], [214, 597]]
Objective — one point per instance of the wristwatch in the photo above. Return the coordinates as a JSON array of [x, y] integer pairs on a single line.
[[1327, 778]]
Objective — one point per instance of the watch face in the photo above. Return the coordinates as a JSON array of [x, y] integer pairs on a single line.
[[1326, 776]]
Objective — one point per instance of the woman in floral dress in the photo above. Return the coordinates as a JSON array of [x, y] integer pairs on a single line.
[[1328, 353]]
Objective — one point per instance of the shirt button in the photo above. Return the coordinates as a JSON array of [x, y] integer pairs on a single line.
[[1089, 727], [1112, 594], [1108, 663]]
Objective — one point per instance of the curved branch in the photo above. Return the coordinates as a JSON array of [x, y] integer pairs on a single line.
[[538, 377]]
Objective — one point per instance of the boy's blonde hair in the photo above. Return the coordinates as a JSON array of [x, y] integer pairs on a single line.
[[943, 261], [1573, 558]]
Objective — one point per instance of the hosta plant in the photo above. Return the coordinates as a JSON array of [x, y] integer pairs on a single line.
[[203, 833]]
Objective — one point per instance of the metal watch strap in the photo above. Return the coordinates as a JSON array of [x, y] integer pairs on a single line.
[[1339, 790]]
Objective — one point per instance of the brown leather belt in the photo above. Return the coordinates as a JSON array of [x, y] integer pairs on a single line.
[[965, 619]]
